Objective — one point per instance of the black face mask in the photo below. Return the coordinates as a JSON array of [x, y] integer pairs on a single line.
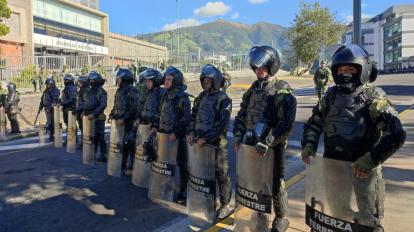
[[347, 83]]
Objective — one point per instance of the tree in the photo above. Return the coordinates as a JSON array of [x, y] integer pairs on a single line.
[[5, 13], [313, 29]]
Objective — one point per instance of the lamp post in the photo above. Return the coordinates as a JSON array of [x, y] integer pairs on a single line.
[[357, 22]]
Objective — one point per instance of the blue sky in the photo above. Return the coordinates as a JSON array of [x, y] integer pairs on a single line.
[[132, 17]]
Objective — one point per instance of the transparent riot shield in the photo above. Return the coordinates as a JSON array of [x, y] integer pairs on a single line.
[[71, 133], [254, 211], [333, 195], [201, 199], [58, 126], [88, 137], [42, 129], [142, 165], [116, 139], [3, 122], [163, 184]]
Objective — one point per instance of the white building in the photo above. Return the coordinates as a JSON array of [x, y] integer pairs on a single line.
[[388, 37]]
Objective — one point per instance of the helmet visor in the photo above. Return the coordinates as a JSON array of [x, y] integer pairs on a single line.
[[258, 59]]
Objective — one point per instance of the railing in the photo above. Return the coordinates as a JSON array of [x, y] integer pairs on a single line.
[[24, 70]]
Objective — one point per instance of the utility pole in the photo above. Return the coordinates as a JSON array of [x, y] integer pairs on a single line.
[[357, 22], [178, 33]]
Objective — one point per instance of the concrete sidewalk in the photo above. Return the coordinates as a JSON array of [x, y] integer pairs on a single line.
[[399, 175]]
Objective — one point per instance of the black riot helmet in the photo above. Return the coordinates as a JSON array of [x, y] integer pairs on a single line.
[[95, 79], [68, 79], [355, 56], [84, 80], [141, 78], [11, 87], [210, 71], [126, 76], [177, 74], [154, 75], [264, 56], [50, 83]]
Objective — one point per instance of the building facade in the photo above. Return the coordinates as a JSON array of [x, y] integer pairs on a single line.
[[388, 37], [53, 33]]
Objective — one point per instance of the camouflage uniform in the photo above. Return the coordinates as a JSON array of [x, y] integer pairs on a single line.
[[12, 108], [321, 79], [227, 81], [266, 117], [85, 70], [359, 126]]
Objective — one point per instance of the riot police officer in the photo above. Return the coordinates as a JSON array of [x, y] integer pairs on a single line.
[[227, 80], [278, 104], [140, 82], [69, 96], [321, 79], [172, 118], [83, 84], [50, 98], [124, 112], [3, 93], [95, 102], [12, 108], [209, 119], [359, 126], [150, 101]]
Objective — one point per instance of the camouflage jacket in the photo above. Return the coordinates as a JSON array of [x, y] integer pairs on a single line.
[[381, 121]]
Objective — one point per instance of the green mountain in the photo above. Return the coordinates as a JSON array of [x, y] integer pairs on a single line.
[[221, 36]]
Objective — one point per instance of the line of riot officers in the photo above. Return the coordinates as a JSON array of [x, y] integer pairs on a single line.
[[177, 149]]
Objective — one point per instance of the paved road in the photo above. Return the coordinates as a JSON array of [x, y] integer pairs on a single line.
[[47, 189]]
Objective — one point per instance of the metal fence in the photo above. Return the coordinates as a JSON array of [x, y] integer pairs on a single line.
[[24, 71]]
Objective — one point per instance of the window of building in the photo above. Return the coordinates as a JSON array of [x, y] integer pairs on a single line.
[[60, 30], [61, 13], [388, 57], [396, 56]]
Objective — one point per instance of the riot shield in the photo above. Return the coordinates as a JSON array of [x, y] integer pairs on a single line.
[[116, 139], [42, 130], [333, 195], [201, 199], [3, 122], [88, 148], [163, 184], [254, 211], [142, 166], [71, 133], [57, 126]]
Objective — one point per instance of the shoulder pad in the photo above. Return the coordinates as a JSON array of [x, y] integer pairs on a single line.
[[279, 87], [373, 92]]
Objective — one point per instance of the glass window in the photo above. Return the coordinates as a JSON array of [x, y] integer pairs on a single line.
[[388, 57], [59, 12]]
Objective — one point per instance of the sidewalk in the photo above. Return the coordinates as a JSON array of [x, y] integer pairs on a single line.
[[23, 134], [399, 198]]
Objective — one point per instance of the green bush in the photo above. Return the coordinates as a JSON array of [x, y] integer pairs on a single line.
[[24, 80]]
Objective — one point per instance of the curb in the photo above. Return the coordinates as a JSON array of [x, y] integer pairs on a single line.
[[20, 136]]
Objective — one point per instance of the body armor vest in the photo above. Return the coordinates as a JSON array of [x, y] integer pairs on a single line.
[[91, 99], [151, 105], [257, 104], [348, 127], [81, 96], [168, 114], [206, 114], [121, 102], [66, 93]]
